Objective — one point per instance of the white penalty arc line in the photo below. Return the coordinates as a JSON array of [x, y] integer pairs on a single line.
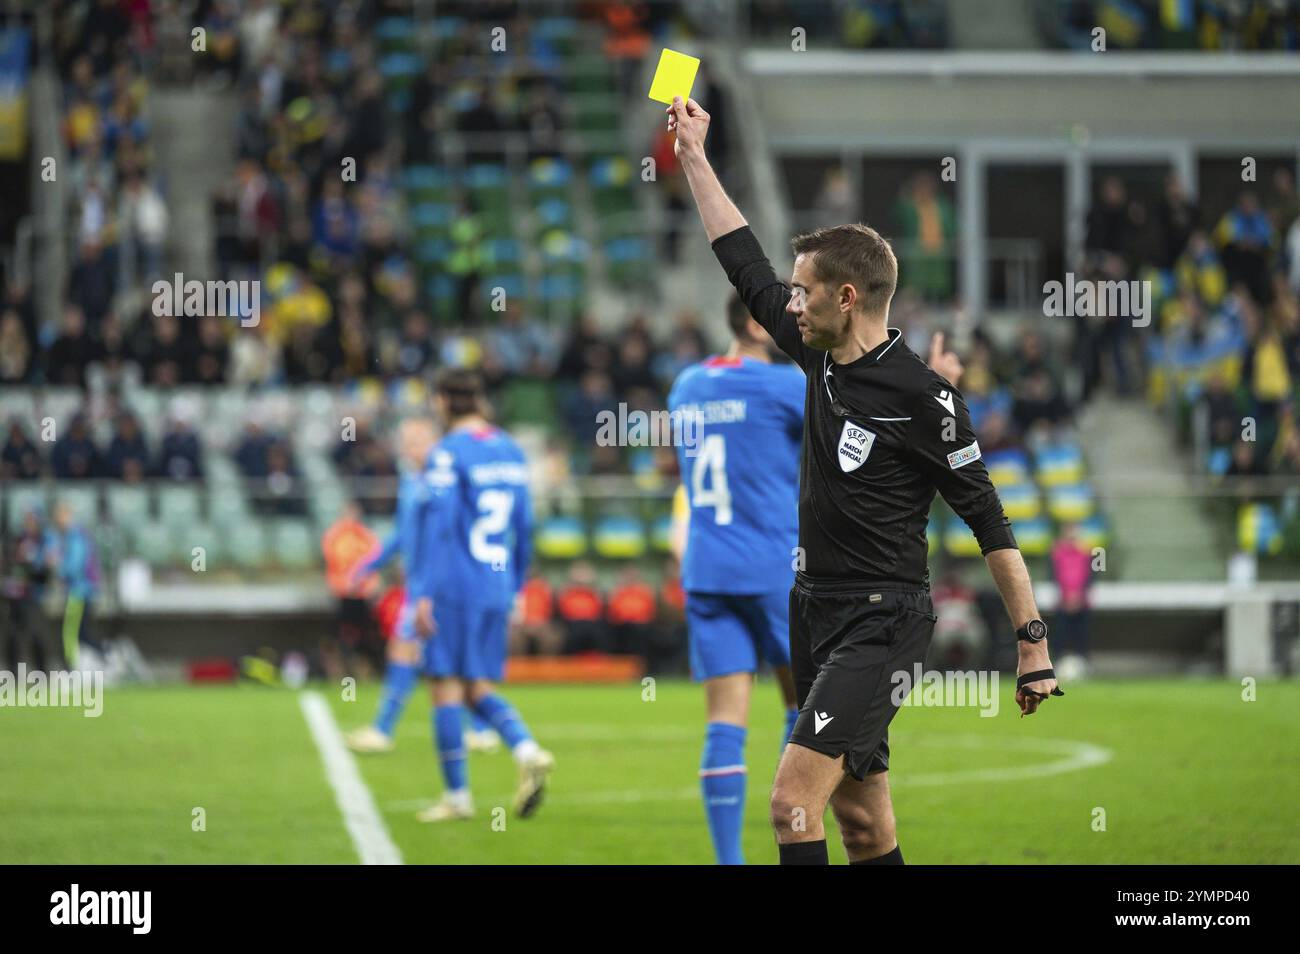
[[360, 814], [1076, 756]]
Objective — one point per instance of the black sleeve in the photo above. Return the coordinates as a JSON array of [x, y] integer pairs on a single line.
[[942, 441], [765, 295]]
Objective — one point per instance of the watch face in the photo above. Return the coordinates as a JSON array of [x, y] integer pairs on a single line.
[[1036, 629]]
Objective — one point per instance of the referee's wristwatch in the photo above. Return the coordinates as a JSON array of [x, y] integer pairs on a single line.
[[1035, 631]]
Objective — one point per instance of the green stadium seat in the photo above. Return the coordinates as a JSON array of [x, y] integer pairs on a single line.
[[179, 505], [19, 498], [154, 543], [128, 504], [619, 538], [246, 544], [294, 544], [560, 538]]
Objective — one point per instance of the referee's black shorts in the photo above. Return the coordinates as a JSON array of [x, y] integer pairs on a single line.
[[848, 639]]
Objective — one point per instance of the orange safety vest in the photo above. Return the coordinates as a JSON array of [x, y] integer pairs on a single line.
[[345, 544]]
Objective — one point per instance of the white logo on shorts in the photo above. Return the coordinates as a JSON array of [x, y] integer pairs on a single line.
[[855, 445], [822, 720]]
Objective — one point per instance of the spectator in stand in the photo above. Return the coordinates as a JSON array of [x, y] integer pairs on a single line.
[[252, 452], [481, 124], [1265, 373], [179, 457], [1039, 408], [73, 557], [71, 351], [127, 457], [534, 632], [282, 490], [16, 353], [92, 283], [1285, 206], [1176, 218], [345, 545], [631, 614], [168, 357], [20, 459], [1072, 570], [1222, 413], [142, 217], [580, 609], [24, 571], [632, 369], [542, 123], [1107, 230], [928, 227], [595, 394], [1245, 236], [415, 345], [586, 349], [837, 200], [75, 456], [212, 353]]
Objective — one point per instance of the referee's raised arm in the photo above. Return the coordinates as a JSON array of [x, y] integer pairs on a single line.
[[691, 123], [738, 251]]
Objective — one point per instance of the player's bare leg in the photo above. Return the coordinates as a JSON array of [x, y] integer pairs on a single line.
[[865, 814], [726, 698], [804, 783]]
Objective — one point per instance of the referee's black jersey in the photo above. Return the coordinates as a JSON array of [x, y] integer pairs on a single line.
[[880, 435]]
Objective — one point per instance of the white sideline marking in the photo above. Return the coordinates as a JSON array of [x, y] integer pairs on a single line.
[[369, 833]]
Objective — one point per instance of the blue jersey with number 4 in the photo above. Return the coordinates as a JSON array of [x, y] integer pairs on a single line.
[[742, 421], [478, 517]]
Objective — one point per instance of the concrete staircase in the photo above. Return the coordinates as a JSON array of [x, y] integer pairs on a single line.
[[1157, 525], [194, 140]]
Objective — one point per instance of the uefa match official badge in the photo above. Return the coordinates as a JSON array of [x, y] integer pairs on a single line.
[[855, 445]]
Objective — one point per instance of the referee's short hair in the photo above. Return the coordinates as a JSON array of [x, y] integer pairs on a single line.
[[463, 389], [854, 255]]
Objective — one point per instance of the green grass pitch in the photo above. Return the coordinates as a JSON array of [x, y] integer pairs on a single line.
[[1185, 772]]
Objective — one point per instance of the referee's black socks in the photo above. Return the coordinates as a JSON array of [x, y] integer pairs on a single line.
[[894, 857], [804, 853]]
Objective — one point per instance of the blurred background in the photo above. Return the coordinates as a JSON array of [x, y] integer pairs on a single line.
[[516, 207]]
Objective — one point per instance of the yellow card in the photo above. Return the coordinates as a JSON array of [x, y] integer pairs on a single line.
[[674, 76]]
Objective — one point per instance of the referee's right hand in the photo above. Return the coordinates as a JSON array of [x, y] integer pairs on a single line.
[[691, 123]]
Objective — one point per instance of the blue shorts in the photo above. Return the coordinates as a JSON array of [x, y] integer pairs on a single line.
[[731, 633], [469, 643]]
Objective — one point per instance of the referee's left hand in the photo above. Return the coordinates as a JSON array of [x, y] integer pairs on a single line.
[[1032, 659], [944, 362]]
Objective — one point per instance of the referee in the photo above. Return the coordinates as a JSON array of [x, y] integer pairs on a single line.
[[882, 433]]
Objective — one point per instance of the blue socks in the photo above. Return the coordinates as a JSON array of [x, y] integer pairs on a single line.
[[791, 716], [399, 680], [449, 737], [500, 715], [722, 783]]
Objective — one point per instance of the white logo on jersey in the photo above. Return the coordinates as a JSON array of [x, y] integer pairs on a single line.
[[945, 399], [855, 445], [822, 720]]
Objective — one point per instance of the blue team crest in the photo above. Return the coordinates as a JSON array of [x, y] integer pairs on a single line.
[[855, 445]]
